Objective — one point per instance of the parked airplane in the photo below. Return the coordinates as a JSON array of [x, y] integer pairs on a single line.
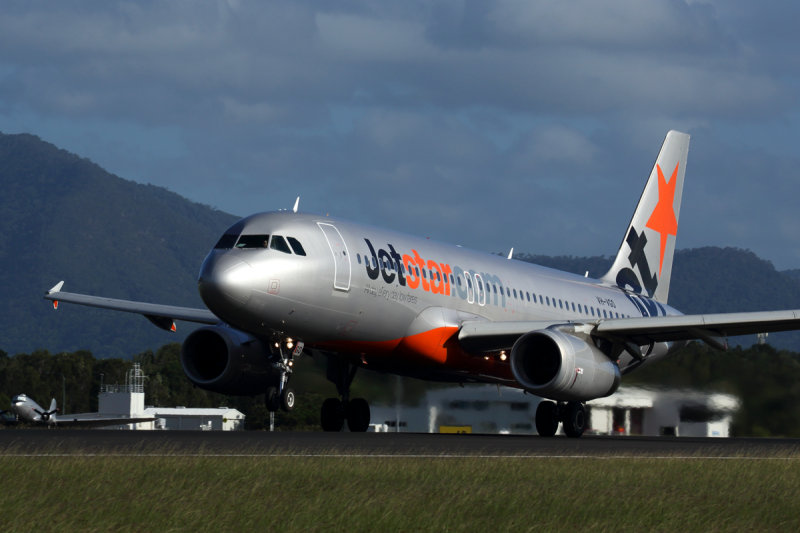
[[27, 410], [277, 284]]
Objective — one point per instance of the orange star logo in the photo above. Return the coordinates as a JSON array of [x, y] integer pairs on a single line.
[[663, 218]]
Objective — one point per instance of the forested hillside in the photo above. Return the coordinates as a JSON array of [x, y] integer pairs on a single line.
[[65, 218]]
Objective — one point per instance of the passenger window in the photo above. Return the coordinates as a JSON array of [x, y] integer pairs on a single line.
[[298, 248], [252, 241], [279, 243]]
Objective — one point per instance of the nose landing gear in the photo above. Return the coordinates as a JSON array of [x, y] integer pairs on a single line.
[[279, 395]]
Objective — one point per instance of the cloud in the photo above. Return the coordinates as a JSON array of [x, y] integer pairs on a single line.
[[534, 122]]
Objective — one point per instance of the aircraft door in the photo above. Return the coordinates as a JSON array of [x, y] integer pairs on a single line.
[[341, 257], [470, 288], [481, 289]]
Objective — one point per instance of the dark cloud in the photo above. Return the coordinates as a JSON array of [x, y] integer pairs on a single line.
[[493, 124]]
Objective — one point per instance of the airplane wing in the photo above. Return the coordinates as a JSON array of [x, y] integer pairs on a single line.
[[97, 420], [687, 327], [478, 335], [162, 316]]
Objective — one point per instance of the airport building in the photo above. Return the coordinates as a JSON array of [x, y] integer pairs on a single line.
[[127, 401], [630, 411]]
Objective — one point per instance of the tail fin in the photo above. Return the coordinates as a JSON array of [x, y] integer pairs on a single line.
[[644, 261]]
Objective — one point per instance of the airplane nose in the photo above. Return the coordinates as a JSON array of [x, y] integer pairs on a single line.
[[224, 280]]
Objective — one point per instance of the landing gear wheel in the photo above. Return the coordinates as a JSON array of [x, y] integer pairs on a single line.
[[332, 415], [574, 419], [287, 399], [273, 399], [358, 415], [546, 419]]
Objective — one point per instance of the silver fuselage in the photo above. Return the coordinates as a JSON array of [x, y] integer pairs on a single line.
[[390, 299]]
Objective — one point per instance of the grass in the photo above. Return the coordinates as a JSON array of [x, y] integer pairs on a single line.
[[180, 493]]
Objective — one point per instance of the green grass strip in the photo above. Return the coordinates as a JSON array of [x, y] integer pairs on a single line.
[[398, 494]]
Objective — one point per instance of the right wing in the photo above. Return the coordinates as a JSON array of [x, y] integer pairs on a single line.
[[162, 316]]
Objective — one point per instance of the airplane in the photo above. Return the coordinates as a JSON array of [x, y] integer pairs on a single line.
[[278, 284], [27, 410]]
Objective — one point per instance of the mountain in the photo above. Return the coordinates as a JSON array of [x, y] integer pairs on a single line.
[[65, 218]]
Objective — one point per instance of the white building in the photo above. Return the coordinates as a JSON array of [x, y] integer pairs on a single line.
[[630, 411], [683, 413], [195, 418], [127, 401]]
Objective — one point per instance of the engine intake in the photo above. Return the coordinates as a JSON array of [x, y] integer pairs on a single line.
[[560, 366], [225, 360]]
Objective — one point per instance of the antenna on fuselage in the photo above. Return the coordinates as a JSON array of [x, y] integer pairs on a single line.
[[511, 252], [296, 204]]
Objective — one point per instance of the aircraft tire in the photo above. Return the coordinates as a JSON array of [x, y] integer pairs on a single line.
[[287, 399], [332, 415], [358, 415], [574, 419], [546, 420]]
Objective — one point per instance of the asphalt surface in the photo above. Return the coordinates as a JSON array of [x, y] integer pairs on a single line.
[[211, 443]]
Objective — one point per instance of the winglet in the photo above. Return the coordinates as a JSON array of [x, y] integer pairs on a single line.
[[296, 205], [511, 253], [56, 287]]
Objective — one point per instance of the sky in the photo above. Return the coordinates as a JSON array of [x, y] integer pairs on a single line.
[[492, 124]]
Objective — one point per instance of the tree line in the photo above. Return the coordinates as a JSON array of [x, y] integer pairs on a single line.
[[766, 381]]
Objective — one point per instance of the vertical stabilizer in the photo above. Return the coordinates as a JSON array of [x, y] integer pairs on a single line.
[[644, 261]]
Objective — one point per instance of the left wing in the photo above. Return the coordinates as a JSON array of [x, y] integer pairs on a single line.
[[502, 335], [97, 420], [705, 327], [162, 316]]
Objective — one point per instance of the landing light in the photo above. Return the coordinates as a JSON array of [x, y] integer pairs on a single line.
[[503, 356]]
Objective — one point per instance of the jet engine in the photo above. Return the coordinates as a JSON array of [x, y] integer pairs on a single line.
[[560, 366], [226, 360]]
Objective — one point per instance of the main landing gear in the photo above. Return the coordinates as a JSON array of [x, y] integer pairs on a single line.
[[571, 414], [336, 410]]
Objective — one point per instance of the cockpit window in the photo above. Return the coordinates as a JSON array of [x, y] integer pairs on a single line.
[[296, 246], [252, 241], [227, 241], [279, 243]]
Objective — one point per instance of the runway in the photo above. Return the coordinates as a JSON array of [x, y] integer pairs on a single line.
[[41, 442]]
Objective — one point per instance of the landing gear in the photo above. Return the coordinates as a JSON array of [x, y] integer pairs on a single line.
[[358, 415], [574, 419], [546, 418], [334, 410], [332, 415], [571, 414], [279, 395]]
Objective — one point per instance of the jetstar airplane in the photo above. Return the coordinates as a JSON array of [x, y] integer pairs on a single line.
[[277, 284], [29, 411]]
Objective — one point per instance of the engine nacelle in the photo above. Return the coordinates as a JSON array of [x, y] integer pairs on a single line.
[[560, 366], [226, 360]]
